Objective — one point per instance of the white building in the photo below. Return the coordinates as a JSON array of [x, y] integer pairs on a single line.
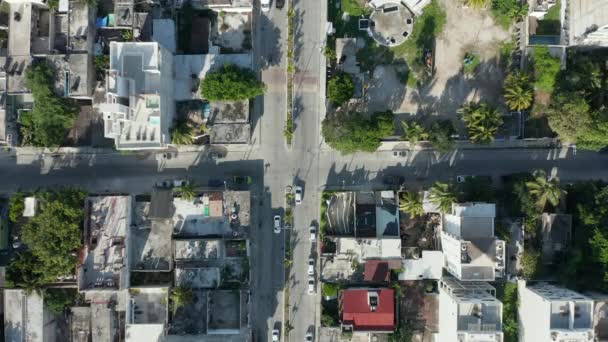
[[468, 312], [139, 106], [471, 250], [554, 314]]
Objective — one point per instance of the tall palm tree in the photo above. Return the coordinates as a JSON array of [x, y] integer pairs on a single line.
[[518, 91], [411, 203], [443, 195], [180, 296], [187, 191], [545, 189], [482, 121], [181, 134], [414, 132]]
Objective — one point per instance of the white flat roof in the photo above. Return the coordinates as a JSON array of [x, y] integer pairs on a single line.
[[430, 266], [144, 332], [370, 248]]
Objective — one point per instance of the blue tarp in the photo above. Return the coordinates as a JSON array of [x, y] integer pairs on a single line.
[[101, 22]]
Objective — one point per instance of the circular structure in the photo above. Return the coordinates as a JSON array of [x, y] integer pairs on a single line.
[[391, 23]]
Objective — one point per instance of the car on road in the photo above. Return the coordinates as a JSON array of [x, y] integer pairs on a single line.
[[265, 5], [298, 195], [242, 180], [313, 234], [215, 183], [277, 224], [309, 337], [311, 284], [279, 3], [275, 335], [177, 183], [311, 266]]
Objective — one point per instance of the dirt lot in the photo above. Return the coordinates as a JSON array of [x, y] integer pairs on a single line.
[[466, 30]]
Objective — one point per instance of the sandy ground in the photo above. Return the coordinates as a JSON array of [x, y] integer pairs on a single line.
[[465, 30], [230, 30]]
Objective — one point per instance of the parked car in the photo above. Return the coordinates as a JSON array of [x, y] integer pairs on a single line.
[[311, 284], [313, 234], [311, 266], [215, 182], [298, 196], [206, 110], [277, 224], [393, 180], [309, 337], [275, 335], [265, 5], [279, 4]]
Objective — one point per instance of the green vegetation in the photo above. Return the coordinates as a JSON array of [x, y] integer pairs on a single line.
[[411, 203], [517, 91], [470, 63], [352, 132], [181, 134], [427, 27], [57, 300], [476, 3], [340, 88], [550, 24], [289, 129], [505, 12], [231, 83], [482, 121], [102, 64], [414, 132], [354, 8], [180, 296], [531, 264], [578, 106], [52, 237], [507, 294], [48, 123], [187, 191], [127, 35], [440, 135], [330, 290], [443, 195], [504, 53], [544, 190], [546, 68]]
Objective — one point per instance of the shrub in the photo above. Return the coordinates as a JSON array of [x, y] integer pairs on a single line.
[[546, 68], [340, 88], [231, 83], [351, 132]]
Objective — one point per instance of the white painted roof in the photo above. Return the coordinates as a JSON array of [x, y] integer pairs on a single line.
[[427, 267]]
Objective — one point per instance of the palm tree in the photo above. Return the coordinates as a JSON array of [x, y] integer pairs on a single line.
[[411, 203], [443, 195], [180, 296], [187, 191], [545, 189], [414, 132], [476, 3], [181, 134], [518, 91], [482, 121]]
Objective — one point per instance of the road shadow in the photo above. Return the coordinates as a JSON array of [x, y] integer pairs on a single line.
[[271, 41]]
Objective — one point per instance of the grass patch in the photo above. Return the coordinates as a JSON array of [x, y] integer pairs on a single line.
[[507, 294], [354, 8], [471, 61], [505, 12], [546, 68], [553, 13]]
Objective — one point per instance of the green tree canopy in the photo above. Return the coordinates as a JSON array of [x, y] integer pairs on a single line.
[[443, 195], [352, 132], [544, 190], [414, 132], [518, 92], [182, 134], [440, 135], [49, 121], [340, 88], [482, 121], [187, 191], [411, 203], [546, 68], [231, 83], [180, 296]]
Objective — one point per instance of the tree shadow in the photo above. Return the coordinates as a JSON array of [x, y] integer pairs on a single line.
[[271, 42]]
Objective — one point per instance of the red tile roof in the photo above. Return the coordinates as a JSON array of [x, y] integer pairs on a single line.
[[379, 270], [356, 310]]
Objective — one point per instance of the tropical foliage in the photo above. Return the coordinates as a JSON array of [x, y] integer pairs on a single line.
[[440, 135], [231, 83], [545, 190], [180, 296], [340, 88], [49, 121], [411, 203], [517, 92], [476, 3], [414, 132], [352, 132], [507, 11], [482, 121], [546, 68], [187, 191], [443, 195]]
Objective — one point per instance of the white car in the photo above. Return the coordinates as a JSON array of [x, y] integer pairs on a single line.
[[311, 284], [308, 337], [277, 224], [298, 196], [265, 5], [313, 234], [311, 266], [275, 335]]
